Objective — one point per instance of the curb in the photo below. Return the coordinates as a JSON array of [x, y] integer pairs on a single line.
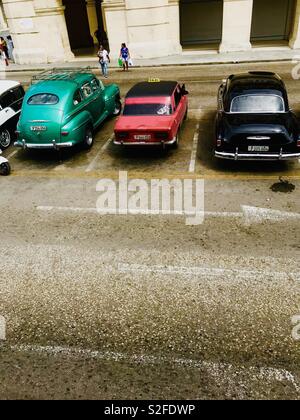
[[139, 66]]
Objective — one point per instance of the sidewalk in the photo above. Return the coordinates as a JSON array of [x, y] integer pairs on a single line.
[[185, 59]]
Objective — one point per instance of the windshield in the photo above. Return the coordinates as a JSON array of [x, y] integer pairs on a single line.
[[257, 104], [43, 99], [148, 109]]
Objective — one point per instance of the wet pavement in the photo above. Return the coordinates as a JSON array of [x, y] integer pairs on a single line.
[[146, 306]]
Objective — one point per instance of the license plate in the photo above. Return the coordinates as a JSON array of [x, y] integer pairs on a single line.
[[258, 148], [143, 137], [38, 128]]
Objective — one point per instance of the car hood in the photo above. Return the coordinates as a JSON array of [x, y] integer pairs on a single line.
[[143, 123]]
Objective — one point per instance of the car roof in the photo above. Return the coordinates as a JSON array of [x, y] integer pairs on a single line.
[[60, 87], [150, 89], [255, 80], [7, 84]]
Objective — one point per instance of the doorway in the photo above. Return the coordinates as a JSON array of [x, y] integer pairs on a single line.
[[201, 22], [272, 20]]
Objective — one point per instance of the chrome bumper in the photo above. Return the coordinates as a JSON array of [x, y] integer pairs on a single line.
[[257, 156], [145, 143], [54, 145]]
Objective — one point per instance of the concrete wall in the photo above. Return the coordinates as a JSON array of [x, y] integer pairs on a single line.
[[151, 28]]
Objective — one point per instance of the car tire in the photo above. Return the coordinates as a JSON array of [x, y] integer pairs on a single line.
[[5, 169], [88, 140], [176, 144], [5, 138], [118, 107]]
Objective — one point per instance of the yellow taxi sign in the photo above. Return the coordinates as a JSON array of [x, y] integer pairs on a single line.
[[153, 80]]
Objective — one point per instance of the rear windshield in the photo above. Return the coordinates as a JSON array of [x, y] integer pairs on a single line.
[[147, 109], [257, 104], [43, 99]]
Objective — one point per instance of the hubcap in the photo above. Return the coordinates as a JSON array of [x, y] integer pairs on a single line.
[[5, 138], [117, 109], [89, 138]]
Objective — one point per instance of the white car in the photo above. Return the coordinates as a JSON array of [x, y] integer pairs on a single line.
[[11, 99]]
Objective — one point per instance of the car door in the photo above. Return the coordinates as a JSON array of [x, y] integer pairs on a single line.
[[8, 112], [93, 100], [98, 98], [180, 106]]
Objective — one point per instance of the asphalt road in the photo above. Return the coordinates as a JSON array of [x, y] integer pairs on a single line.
[[144, 306]]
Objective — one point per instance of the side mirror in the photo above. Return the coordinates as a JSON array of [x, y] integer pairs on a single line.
[[185, 92]]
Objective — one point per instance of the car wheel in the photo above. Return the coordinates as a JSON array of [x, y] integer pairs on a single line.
[[5, 139], [5, 169], [118, 107], [88, 138], [176, 144]]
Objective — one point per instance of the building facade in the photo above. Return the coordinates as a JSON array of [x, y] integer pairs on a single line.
[[46, 31]]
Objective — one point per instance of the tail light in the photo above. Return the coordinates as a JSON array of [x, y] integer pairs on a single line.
[[122, 135], [164, 135], [17, 133], [298, 143], [64, 133], [219, 142]]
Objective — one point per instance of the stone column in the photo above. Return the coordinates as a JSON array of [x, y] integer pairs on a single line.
[[149, 28], [115, 22], [50, 21], [21, 19], [3, 24], [237, 21], [174, 31], [92, 17], [295, 37]]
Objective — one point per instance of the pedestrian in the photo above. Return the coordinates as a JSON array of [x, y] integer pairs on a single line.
[[104, 60], [125, 56], [10, 47], [3, 46], [3, 55]]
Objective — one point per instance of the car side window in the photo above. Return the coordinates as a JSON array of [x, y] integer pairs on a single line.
[[7, 99], [86, 90], [77, 98], [178, 96], [95, 85], [19, 92]]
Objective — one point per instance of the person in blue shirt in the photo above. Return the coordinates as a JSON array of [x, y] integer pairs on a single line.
[[125, 56]]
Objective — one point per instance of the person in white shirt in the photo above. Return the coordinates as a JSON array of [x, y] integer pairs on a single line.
[[104, 60]]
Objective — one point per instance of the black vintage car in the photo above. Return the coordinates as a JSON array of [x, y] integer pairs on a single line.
[[254, 121]]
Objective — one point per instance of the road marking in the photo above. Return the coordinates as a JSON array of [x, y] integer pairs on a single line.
[[223, 372], [12, 154], [92, 165], [207, 271], [192, 167], [249, 215], [142, 212]]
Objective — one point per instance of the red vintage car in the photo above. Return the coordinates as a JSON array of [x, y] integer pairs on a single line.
[[153, 114]]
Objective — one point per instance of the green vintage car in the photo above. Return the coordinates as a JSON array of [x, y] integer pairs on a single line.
[[63, 107]]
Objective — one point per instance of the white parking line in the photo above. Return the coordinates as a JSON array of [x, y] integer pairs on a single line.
[[12, 154], [92, 165], [194, 150], [142, 212], [208, 272], [225, 373]]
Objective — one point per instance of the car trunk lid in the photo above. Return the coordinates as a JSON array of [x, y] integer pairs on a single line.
[[35, 128]]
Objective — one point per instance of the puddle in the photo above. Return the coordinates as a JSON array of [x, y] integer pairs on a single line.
[[283, 186]]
